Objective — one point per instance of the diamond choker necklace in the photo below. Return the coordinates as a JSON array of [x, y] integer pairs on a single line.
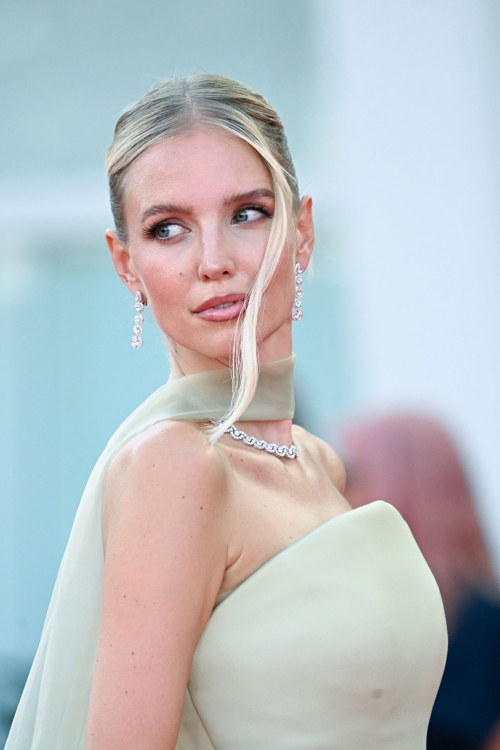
[[279, 450]]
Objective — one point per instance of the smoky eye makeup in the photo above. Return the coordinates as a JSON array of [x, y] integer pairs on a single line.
[[169, 228], [266, 212], [153, 231]]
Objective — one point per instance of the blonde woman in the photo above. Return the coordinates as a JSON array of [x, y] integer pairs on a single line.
[[217, 591]]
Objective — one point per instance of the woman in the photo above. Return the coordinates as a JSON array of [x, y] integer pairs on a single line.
[[230, 598]]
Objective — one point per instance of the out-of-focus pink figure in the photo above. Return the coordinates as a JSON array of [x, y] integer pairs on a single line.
[[408, 460]]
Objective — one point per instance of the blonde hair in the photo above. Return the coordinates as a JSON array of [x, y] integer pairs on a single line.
[[174, 106]]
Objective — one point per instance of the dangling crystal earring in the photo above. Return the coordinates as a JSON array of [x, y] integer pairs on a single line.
[[138, 320], [297, 314]]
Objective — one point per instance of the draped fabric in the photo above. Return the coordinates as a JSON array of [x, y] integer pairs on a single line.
[[52, 712], [338, 642]]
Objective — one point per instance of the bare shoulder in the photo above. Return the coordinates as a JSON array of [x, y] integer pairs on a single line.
[[323, 451], [162, 444], [172, 462], [166, 537]]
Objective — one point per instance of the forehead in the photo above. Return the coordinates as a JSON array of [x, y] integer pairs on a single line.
[[200, 167]]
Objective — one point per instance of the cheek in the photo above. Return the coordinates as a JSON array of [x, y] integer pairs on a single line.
[[282, 288], [245, 248], [166, 285]]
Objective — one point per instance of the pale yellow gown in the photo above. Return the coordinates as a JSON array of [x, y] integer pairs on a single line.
[[338, 642]]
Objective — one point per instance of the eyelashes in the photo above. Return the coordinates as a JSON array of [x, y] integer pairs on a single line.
[[255, 207], [151, 232]]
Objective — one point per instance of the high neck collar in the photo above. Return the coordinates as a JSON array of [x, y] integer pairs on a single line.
[[207, 395]]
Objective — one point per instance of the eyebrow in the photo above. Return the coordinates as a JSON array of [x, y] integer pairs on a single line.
[[171, 208], [249, 195], [188, 210]]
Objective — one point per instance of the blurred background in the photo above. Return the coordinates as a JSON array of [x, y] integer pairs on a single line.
[[392, 114]]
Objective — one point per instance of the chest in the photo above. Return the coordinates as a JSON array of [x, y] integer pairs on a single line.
[[272, 505], [339, 642]]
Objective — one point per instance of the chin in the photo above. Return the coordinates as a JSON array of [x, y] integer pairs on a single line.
[[209, 349], [214, 340]]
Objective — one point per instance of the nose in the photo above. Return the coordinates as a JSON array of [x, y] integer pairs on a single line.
[[216, 259]]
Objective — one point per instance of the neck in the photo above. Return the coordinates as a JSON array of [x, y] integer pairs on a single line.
[[271, 384], [206, 396], [185, 361], [277, 431]]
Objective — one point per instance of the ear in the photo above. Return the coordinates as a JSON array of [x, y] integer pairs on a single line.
[[122, 261], [305, 232]]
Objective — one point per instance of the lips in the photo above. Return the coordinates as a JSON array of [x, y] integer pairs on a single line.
[[215, 301], [209, 309]]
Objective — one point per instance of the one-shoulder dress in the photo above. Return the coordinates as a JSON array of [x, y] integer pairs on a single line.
[[338, 642]]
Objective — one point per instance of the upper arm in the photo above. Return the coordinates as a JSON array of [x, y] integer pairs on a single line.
[[165, 557]]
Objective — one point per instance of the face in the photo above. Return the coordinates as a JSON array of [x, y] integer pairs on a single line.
[[198, 209]]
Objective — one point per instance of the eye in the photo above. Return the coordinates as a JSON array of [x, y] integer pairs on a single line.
[[250, 214], [167, 231]]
